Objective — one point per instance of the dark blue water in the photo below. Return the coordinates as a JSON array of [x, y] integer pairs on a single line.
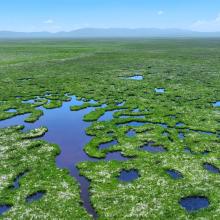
[[108, 144], [128, 175], [216, 104], [31, 101], [16, 183], [116, 155], [159, 90], [35, 197], [67, 129], [174, 174], [153, 149], [211, 168], [194, 203], [4, 208]]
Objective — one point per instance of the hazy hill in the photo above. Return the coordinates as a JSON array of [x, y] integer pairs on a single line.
[[110, 33]]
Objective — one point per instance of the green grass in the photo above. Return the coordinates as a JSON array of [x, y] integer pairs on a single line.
[[188, 69]]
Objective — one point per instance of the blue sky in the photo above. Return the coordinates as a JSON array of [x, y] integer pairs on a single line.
[[66, 15]]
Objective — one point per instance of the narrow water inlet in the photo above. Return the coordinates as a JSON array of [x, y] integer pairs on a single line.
[[211, 168], [108, 144], [16, 183], [35, 196]]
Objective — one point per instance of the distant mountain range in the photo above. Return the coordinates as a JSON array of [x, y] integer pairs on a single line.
[[110, 33]]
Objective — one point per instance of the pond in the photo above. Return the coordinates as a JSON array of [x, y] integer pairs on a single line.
[[11, 110], [174, 174], [136, 77], [150, 147], [4, 208], [35, 197], [194, 203], [131, 133], [211, 168], [159, 90], [128, 175], [216, 104]]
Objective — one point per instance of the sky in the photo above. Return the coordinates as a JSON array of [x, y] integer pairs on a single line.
[[67, 15]]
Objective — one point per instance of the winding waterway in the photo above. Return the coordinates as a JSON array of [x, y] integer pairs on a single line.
[[67, 129]]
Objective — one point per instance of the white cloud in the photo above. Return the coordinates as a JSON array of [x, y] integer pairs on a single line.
[[49, 21], [160, 12], [207, 25]]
